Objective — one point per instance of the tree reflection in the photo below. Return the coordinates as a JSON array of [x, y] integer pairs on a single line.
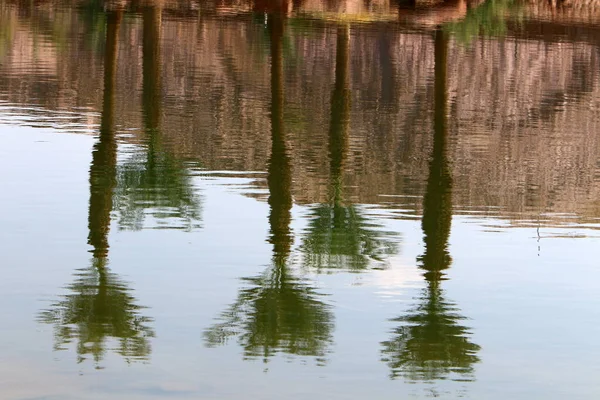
[[156, 184], [487, 19], [431, 343], [276, 312], [100, 306], [339, 235]]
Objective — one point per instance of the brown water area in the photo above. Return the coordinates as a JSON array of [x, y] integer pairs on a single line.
[[307, 198]]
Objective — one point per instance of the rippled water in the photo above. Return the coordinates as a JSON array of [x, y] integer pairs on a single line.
[[341, 200]]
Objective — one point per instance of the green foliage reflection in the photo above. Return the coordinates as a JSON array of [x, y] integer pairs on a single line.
[[159, 187], [276, 312], [156, 184], [340, 235], [99, 306], [489, 19], [431, 343]]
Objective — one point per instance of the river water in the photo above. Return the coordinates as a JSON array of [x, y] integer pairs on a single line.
[[314, 199]]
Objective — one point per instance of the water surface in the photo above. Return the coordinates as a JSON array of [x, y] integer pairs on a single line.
[[343, 200]]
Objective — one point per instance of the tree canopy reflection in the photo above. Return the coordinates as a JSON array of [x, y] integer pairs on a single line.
[[431, 343], [339, 235], [99, 305], [276, 312], [156, 184]]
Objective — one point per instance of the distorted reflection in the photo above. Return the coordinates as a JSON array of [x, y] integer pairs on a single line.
[[489, 19], [156, 184], [100, 307], [213, 81], [277, 312], [7, 29], [431, 343], [339, 235]]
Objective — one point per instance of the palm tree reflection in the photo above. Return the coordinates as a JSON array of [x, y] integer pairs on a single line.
[[431, 342], [156, 184], [100, 306], [339, 235], [276, 312]]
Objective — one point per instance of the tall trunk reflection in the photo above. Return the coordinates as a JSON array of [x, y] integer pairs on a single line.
[[155, 185], [103, 170], [277, 312], [340, 115], [100, 306], [437, 203], [151, 81], [431, 343], [280, 178], [339, 235]]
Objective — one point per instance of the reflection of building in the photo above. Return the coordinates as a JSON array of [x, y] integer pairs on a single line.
[[497, 126]]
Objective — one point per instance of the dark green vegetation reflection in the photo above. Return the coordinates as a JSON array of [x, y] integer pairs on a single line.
[[100, 306], [157, 184], [339, 236], [431, 343], [277, 312], [489, 19]]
